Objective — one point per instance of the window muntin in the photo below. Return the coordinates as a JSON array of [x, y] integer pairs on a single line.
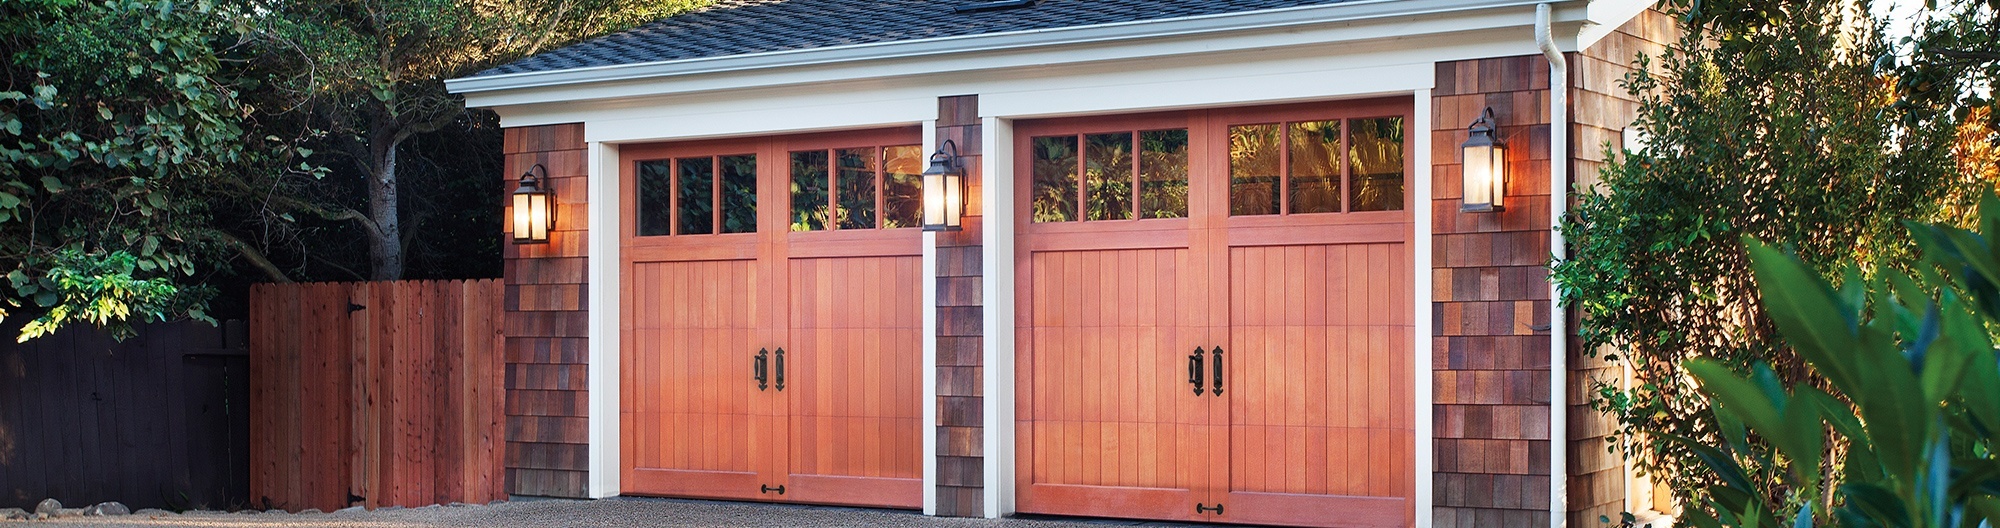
[[692, 195], [1119, 176], [1331, 166], [857, 188]]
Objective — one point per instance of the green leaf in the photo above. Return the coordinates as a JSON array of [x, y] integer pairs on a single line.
[[1806, 312]]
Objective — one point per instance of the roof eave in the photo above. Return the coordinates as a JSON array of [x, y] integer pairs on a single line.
[[1348, 12]]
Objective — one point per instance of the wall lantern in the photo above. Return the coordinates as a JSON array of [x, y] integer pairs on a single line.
[[944, 190], [534, 210], [1485, 167]]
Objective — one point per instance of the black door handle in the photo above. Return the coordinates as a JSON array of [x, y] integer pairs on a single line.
[[781, 371], [1199, 508], [760, 366], [768, 489], [1194, 370], [1217, 390]]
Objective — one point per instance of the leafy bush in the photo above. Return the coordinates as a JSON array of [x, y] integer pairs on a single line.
[[1770, 120], [1912, 390]]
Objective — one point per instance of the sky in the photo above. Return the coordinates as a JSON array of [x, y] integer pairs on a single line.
[[1902, 16]]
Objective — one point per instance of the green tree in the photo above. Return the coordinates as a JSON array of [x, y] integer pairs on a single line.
[[117, 120], [367, 76], [1769, 120]]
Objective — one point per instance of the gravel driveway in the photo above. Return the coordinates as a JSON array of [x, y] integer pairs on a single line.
[[620, 512]]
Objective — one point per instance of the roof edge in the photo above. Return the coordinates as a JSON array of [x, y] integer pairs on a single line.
[[1363, 10]]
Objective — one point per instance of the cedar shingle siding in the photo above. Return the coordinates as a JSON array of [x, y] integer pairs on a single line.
[[1601, 109], [1491, 309], [961, 323], [547, 315]]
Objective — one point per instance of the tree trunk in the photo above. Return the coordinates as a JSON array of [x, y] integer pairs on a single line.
[[385, 244]]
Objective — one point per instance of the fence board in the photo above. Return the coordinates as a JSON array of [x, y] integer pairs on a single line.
[[377, 394], [155, 421]]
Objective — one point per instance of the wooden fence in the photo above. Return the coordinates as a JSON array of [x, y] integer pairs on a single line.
[[155, 421], [376, 394]]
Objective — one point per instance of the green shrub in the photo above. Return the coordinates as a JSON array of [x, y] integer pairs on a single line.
[[1912, 390]]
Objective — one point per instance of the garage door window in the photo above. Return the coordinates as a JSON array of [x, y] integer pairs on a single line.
[[857, 188], [698, 195], [1316, 167], [1118, 176]]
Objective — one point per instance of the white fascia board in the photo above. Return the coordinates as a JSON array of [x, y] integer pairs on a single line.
[[1301, 73], [1336, 23], [1605, 16]]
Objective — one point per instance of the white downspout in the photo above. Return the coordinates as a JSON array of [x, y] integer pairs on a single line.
[[1558, 323]]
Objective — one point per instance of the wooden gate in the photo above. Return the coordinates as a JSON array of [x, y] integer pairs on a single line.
[[771, 347], [376, 394], [1216, 316]]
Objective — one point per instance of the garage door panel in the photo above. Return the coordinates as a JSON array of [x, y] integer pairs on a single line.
[[1321, 408], [693, 416], [856, 403], [1112, 408]]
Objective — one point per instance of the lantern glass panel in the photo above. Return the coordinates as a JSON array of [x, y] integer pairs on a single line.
[[954, 199], [521, 215], [1478, 170], [538, 216], [934, 196], [1499, 179]]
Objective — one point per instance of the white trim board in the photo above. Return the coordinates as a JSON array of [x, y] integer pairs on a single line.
[[1421, 337], [929, 339], [996, 195], [604, 321], [1222, 79]]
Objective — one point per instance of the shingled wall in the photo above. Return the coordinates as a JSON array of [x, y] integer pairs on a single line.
[[961, 330], [547, 307], [1600, 110], [1491, 303]]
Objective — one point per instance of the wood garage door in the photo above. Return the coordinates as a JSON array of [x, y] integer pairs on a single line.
[[771, 343], [1215, 315]]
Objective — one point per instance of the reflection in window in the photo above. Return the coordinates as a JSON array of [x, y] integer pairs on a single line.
[[1315, 167], [1325, 167], [656, 198], [1253, 169], [903, 186], [1055, 179], [1107, 176], [1376, 157], [739, 193], [854, 184], [809, 190], [1163, 173], [870, 187], [697, 195]]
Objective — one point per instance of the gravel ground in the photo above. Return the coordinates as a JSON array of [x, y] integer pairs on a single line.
[[620, 512]]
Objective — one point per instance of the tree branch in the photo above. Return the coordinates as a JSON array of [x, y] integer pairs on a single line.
[[251, 254]]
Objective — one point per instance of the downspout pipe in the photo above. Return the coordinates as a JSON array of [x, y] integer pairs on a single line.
[[1558, 321]]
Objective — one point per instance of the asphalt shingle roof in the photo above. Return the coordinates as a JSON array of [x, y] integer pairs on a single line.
[[737, 27]]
